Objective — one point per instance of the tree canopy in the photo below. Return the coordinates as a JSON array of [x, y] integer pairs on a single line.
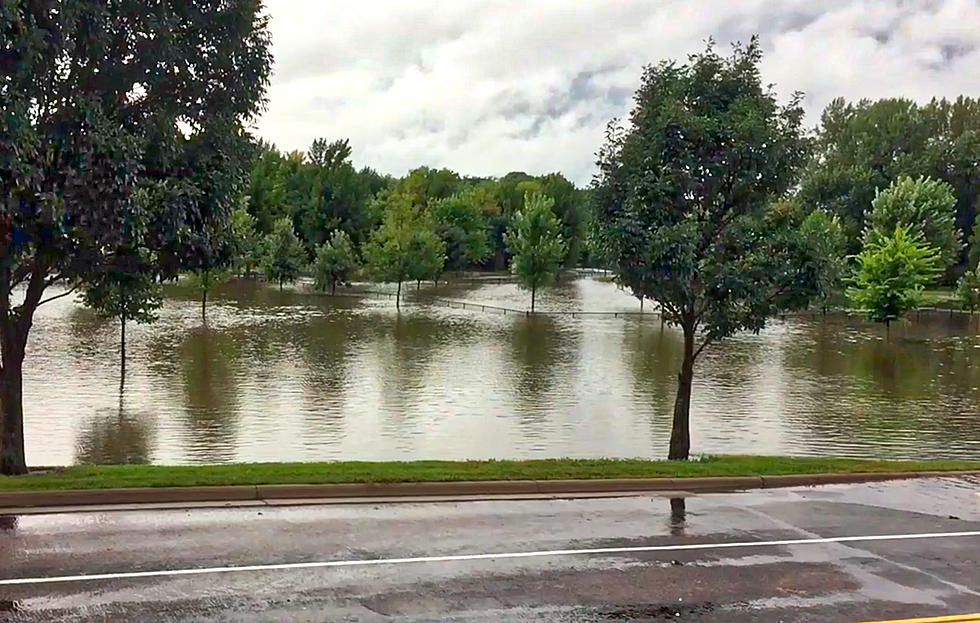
[[683, 193], [536, 244], [99, 99]]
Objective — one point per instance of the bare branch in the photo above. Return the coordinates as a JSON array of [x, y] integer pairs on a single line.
[[58, 296]]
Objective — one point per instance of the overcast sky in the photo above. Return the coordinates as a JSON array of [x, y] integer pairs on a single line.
[[490, 86]]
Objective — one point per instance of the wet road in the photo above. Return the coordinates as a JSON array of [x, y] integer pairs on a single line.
[[787, 555]]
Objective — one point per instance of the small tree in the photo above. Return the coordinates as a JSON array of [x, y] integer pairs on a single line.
[[535, 243], [828, 242], [246, 242], [427, 256], [684, 195], [335, 261], [973, 255], [283, 255], [924, 205], [968, 289], [404, 246], [463, 228], [128, 290], [891, 273], [206, 279]]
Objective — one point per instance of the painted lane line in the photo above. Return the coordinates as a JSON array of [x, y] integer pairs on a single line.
[[467, 557], [956, 618]]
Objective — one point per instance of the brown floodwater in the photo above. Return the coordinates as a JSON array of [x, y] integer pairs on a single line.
[[295, 375]]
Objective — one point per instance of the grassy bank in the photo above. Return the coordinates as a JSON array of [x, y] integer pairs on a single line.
[[112, 476]]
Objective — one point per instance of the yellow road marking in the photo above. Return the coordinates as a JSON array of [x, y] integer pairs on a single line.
[[956, 618]]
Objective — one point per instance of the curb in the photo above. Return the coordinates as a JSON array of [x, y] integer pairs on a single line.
[[151, 495]]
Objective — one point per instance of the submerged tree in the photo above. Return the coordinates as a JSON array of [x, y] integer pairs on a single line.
[[335, 262], [126, 290], [925, 206], [683, 195], [968, 289], [828, 243], [536, 244], [283, 256], [97, 99], [892, 272], [405, 246]]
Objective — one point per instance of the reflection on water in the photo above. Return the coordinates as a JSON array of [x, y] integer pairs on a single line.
[[678, 516], [298, 376]]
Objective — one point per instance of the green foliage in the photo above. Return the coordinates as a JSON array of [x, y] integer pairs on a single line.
[[461, 224], [246, 242], [973, 257], [682, 195], [892, 272], [827, 241], [205, 279], [127, 289], [283, 255], [99, 100], [968, 289], [866, 146], [406, 245], [335, 262], [536, 244], [926, 206]]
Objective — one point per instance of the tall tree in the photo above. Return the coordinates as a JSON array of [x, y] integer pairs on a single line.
[[283, 255], [536, 244], [97, 99], [335, 262], [682, 193], [926, 206], [892, 271], [462, 226], [863, 147]]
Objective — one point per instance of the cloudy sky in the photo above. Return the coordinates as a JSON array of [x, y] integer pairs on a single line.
[[490, 86]]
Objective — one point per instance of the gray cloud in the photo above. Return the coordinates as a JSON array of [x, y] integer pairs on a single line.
[[489, 86]]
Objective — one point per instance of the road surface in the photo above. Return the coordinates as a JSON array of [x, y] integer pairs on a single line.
[[828, 554]]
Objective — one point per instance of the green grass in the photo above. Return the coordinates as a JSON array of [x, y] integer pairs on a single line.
[[111, 476], [940, 297]]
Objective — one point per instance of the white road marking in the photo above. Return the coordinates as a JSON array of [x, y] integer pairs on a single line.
[[464, 557]]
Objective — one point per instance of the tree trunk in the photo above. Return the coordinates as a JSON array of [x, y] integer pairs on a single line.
[[680, 434], [12, 459], [641, 304], [418, 285], [333, 288], [398, 296], [280, 284], [122, 342], [204, 307], [533, 292], [888, 330]]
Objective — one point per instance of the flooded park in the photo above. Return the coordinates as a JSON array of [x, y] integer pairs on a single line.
[[298, 375]]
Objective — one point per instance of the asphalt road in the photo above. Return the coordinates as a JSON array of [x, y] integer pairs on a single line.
[[785, 555]]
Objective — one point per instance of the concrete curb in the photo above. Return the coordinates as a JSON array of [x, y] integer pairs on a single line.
[[157, 495]]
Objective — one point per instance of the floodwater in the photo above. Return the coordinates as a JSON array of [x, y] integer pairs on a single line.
[[295, 375]]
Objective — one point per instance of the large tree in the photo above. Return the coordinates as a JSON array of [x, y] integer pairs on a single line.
[[863, 147], [683, 193], [97, 99], [462, 226], [926, 206]]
